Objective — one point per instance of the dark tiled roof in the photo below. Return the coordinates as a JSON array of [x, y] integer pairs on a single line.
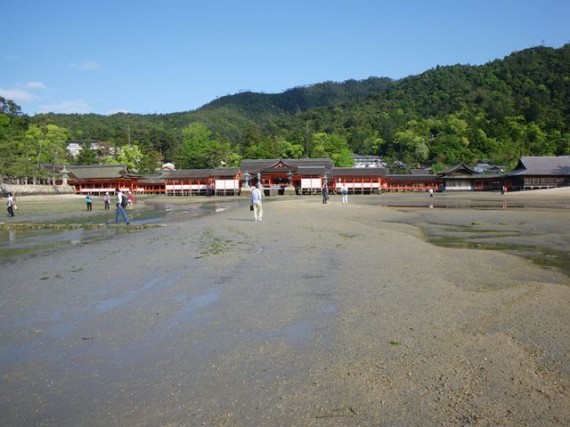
[[254, 166], [327, 163], [200, 173], [311, 170], [97, 172], [458, 169], [358, 171], [151, 179], [231, 172], [413, 177], [257, 165], [187, 173], [549, 165], [420, 172]]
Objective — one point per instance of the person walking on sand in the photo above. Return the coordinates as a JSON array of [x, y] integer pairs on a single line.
[[107, 200], [344, 192], [89, 202], [325, 193], [120, 208], [257, 204], [10, 205]]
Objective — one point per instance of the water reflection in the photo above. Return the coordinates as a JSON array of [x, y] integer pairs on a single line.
[[74, 231]]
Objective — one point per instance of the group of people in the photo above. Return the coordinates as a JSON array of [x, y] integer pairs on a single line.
[[256, 203], [107, 200], [120, 209], [343, 192]]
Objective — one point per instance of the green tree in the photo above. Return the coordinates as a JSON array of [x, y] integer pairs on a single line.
[[13, 125], [199, 150], [9, 137], [252, 141], [333, 146], [151, 161], [192, 151], [44, 145], [413, 147], [87, 156], [131, 156]]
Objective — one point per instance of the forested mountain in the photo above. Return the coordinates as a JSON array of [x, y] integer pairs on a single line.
[[519, 105]]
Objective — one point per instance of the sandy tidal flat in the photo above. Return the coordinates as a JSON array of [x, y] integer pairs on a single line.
[[319, 315]]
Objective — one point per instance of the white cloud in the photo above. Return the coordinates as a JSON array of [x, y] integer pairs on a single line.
[[19, 96], [23, 96], [89, 65], [77, 106], [85, 65], [36, 85]]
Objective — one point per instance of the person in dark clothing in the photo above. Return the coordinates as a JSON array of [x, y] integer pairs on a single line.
[[325, 192]]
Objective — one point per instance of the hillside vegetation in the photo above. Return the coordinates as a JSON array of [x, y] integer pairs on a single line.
[[499, 111]]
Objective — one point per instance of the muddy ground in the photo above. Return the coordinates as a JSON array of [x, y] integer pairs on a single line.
[[385, 312]]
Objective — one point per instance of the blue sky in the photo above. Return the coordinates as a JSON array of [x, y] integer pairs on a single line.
[[142, 56]]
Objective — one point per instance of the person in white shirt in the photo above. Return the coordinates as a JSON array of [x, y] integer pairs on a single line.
[[257, 204], [10, 205], [120, 208], [344, 192]]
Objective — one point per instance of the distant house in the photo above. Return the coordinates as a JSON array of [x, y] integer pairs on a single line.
[[189, 182], [417, 181], [458, 177], [307, 176], [74, 149], [540, 172], [304, 174], [364, 180], [103, 148], [485, 166], [368, 161], [463, 178]]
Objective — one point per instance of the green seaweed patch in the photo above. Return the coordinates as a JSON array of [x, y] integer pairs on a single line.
[[479, 232], [213, 245], [72, 226], [394, 342], [15, 252], [491, 287], [348, 235]]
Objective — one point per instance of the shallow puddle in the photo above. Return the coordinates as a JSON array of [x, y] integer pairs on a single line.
[[537, 254], [27, 238]]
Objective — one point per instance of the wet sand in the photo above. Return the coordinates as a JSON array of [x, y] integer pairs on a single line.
[[319, 315]]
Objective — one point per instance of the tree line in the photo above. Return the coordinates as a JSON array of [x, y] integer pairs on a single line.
[[498, 111]]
